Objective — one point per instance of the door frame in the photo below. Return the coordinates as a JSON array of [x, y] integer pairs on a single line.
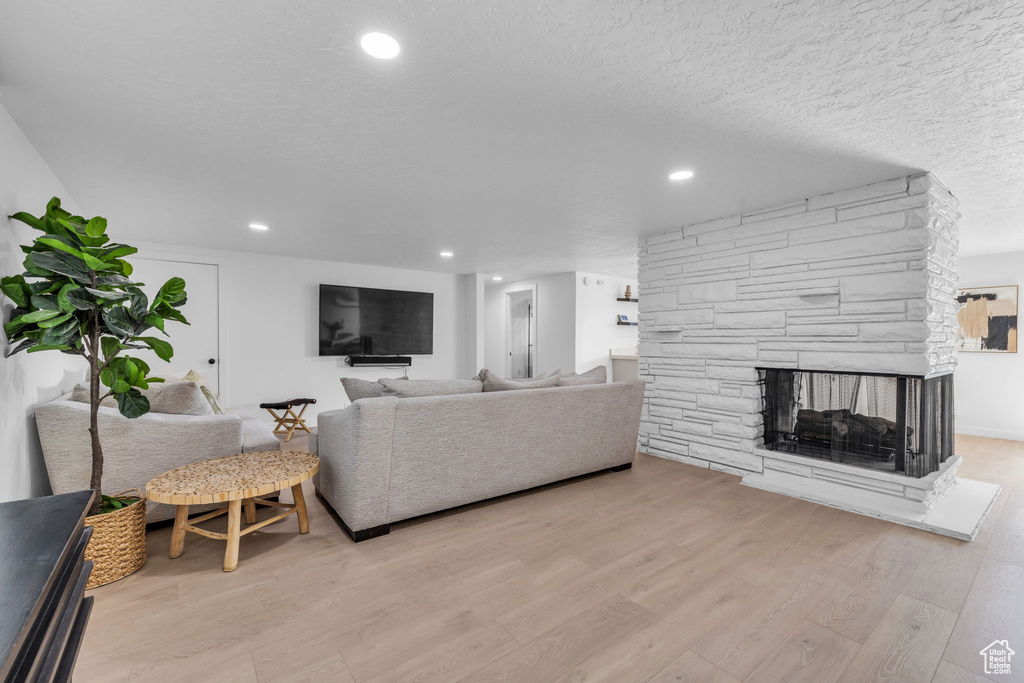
[[161, 253], [508, 328]]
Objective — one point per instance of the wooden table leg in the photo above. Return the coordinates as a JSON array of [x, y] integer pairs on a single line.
[[234, 533], [178, 532], [250, 511], [300, 509]]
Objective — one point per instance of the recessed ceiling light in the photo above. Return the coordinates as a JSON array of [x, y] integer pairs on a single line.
[[380, 45], [680, 175], [447, 254], [258, 226], [497, 278]]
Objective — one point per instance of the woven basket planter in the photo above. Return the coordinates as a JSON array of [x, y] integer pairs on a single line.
[[118, 544]]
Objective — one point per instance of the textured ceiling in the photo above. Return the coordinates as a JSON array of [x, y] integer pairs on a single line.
[[526, 137]]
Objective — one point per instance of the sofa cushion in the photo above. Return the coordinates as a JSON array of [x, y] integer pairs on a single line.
[[356, 388], [257, 436], [598, 375], [169, 398], [492, 382], [411, 388]]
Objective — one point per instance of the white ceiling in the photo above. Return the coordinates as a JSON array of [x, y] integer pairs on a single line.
[[525, 137]]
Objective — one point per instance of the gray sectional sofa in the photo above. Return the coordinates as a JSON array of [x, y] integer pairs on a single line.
[[136, 450], [387, 459]]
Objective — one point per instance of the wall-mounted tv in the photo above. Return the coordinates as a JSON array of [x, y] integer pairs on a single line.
[[379, 322]]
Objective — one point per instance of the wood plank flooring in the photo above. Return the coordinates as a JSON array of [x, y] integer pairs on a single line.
[[666, 572]]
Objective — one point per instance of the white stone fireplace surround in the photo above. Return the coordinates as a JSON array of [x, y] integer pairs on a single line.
[[861, 280]]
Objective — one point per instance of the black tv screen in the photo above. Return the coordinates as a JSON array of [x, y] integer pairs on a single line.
[[380, 322]]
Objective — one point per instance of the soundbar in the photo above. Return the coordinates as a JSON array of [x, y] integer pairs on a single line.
[[363, 361]]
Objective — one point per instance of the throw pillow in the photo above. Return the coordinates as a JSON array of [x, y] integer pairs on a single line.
[[356, 388], [598, 375], [412, 388], [179, 398], [211, 398], [171, 398], [494, 383]]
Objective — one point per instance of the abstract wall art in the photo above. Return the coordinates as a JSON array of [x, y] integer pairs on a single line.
[[988, 319]]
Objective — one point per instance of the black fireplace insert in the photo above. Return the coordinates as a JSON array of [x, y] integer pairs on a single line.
[[893, 423]]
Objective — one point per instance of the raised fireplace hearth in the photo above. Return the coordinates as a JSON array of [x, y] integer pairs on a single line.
[[891, 423]]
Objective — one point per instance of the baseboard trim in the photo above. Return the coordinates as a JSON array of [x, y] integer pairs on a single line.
[[385, 529], [990, 433]]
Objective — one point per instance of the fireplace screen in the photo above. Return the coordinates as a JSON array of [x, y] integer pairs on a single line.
[[892, 423]]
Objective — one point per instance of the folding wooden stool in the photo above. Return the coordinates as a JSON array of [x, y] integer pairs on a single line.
[[288, 421]]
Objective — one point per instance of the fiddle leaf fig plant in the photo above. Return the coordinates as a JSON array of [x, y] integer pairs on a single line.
[[76, 296]]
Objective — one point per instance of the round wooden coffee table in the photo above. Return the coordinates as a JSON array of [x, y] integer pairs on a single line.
[[235, 480]]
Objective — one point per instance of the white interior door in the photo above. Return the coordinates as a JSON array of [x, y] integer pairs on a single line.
[[521, 334], [196, 346]]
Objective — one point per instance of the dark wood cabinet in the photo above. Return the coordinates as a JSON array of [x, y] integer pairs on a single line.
[[43, 608]]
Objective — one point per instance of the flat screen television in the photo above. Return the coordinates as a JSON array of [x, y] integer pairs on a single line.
[[379, 322]]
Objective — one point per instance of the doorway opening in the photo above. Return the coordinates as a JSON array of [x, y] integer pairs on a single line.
[[522, 333]]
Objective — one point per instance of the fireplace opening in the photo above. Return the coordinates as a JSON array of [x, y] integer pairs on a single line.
[[893, 423]]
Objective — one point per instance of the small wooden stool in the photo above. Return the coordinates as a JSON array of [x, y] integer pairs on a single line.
[[236, 480], [288, 421]]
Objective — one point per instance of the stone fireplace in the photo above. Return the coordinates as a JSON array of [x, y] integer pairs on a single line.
[[809, 347]]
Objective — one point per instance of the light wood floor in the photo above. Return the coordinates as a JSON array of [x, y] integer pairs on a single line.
[[666, 572]]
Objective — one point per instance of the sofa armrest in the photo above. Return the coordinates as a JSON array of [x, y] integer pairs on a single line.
[[354, 445], [134, 450]]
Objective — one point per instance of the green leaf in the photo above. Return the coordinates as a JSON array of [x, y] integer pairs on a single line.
[[62, 297], [108, 296], [47, 347], [96, 227], [26, 344], [115, 251], [126, 267], [29, 220], [111, 347], [153, 320], [37, 316], [45, 263], [173, 290], [140, 302], [80, 299], [132, 403], [61, 335], [118, 322], [53, 322], [169, 312], [162, 349], [45, 303], [14, 288], [62, 243]]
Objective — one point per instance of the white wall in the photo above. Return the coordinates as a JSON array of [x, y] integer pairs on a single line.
[[269, 318], [556, 330], [989, 387], [26, 380], [596, 316]]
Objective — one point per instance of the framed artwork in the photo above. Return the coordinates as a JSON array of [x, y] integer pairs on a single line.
[[988, 319]]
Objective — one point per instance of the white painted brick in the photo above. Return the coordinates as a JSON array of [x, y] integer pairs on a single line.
[[706, 293], [740, 430], [822, 330], [711, 226], [731, 373], [906, 285], [693, 316], [895, 363], [739, 405], [884, 206], [869, 225], [850, 247], [658, 302], [775, 212], [788, 467], [751, 320], [794, 222], [900, 331], [703, 386], [781, 303], [860, 194]]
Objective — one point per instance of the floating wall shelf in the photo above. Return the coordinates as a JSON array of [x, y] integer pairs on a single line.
[[619, 322], [633, 301]]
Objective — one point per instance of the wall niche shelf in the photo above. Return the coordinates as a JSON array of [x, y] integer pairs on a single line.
[[632, 301]]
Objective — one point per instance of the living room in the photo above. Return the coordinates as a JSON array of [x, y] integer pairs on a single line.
[[629, 343]]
